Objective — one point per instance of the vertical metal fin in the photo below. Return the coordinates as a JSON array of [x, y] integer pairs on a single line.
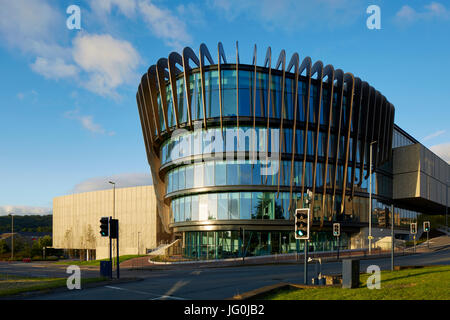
[[174, 58], [329, 73], [306, 65], [204, 52], [188, 54], [317, 68], [349, 79], [340, 97]]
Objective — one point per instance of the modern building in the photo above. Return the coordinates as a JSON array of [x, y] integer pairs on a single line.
[[76, 222], [234, 148]]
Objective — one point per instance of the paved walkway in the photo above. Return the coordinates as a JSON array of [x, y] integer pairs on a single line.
[[144, 262]]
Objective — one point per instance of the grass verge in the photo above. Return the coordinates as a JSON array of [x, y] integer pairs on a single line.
[[429, 283], [97, 262], [12, 285]]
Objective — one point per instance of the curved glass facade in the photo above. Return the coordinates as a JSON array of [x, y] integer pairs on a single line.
[[247, 143]]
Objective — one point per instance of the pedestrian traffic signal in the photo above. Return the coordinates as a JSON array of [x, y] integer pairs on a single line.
[[104, 226], [426, 226], [302, 223], [336, 229], [413, 228]]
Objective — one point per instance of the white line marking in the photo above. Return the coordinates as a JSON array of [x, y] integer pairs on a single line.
[[146, 293]]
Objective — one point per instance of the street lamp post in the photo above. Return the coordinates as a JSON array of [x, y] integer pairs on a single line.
[[12, 236], [138, 243], [446, 205], [370, 197], [114, 212]]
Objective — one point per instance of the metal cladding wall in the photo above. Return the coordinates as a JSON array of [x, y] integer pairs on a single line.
[[76, 220], [370, 115]]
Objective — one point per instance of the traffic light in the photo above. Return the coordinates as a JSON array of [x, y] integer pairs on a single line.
[[426, 226], [114, 228], [302, 223], [104, 226], [413, 229], [336, 229]]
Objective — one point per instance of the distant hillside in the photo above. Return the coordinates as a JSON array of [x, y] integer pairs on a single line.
[[32, 223]]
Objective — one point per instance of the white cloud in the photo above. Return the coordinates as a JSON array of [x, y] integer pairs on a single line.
[[87, 122], [165, 25], [102, 7], [122, 180], [292, 14], [434, 135], [435, 10], [100, 63], [53, 69], [109, 62], [29, 24], [442, 150], [24, 210]]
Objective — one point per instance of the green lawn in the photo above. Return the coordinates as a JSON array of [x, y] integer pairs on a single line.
[[11, 285], [97, 262], [429, 283]]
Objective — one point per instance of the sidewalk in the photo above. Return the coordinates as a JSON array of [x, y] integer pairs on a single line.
[[291, 258]]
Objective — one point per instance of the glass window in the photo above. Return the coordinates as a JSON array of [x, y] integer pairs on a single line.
[[212, 206], [220, 173], [189, 176], [203, 207], [222, 206], [198, 175], [175, 180], [232, 173], [258, 205], [181, 207], [181, 179], [209, 173], [187, 209], [233, 205], [195, 208], [229, 92], [245, 205], [245, 172]]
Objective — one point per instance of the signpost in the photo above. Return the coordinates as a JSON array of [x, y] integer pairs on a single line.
[[301, 226], [109, 227]]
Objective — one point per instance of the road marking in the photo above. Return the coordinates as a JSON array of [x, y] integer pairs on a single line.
[[168, 297], [146, 293], [197, 273]]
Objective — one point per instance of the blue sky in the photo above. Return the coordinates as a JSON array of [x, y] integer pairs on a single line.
[[68, 115]]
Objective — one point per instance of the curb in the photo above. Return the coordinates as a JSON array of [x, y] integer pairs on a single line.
[[254, 294]]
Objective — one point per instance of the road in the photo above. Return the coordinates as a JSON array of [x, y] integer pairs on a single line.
[[194, 283]]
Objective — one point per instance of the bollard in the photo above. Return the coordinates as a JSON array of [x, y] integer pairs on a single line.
[[105, 269]]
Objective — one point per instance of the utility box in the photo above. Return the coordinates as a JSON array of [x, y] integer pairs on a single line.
[[105, 269], [350, 273]]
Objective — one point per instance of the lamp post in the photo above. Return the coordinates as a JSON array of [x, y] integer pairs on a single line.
[[446, 205], [138, 242], [114, 212], [370, 197], [12, 236]]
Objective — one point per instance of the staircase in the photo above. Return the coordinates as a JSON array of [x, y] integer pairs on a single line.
[[167, 249]]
